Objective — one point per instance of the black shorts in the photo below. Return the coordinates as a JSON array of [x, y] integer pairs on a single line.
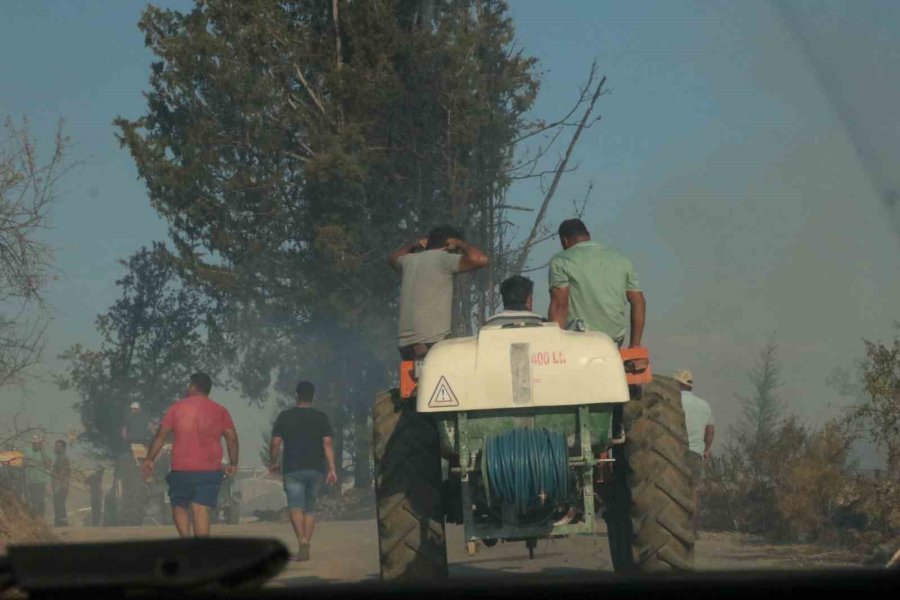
[[194, 487]]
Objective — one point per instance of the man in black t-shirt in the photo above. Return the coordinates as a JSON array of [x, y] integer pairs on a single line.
[[305, 434]]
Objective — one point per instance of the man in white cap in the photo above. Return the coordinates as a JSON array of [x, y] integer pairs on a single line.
[[136, 429], [701, 429]]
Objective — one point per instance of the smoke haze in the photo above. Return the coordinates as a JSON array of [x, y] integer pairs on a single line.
[[745, 163]]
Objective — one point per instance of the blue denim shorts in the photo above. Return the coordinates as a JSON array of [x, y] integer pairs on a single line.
[[301, 488], [194, 487]]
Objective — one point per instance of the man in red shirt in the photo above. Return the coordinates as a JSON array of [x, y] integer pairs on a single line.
[[199, 424]]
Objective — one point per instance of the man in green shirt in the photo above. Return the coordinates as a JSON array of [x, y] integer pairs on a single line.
[[592, 283], [37, 474]]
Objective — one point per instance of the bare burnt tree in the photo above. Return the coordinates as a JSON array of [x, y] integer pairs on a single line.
[[27, 191]]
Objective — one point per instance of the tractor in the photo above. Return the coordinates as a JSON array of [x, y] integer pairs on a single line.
[[529, 431]]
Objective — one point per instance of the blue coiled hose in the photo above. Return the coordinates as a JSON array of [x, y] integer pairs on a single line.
[[527, 467]]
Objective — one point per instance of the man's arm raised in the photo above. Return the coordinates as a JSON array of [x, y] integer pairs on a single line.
[[394, 258], [472, 257]]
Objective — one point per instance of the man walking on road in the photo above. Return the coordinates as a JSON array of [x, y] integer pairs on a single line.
[[199, 424], [592, 283], [426, 291], [62, 469], [701, 429], [305, 434]]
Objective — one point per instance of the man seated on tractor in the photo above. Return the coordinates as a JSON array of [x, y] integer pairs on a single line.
[[427, 267], [592, 283], [518, 303]]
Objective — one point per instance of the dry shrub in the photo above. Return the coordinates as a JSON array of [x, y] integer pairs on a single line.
[[790, 482], [17, 526], [723, 492], [734, 498], [877, 502], [787, 487], [806, 498]]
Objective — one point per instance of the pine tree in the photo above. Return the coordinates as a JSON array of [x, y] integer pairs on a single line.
[[761, 413]]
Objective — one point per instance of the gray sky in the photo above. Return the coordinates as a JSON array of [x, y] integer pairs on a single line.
[[721, 167]]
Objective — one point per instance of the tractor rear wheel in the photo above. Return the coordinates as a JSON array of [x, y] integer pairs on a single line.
[[649, 510], [411, 539]]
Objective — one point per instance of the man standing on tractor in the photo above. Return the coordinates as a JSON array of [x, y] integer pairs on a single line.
[[427, 267], [592, 283], [701, 429], [199, 424], [518, 303]]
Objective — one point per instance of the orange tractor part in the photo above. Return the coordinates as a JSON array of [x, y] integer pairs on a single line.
[[637, 366], [408, 379]]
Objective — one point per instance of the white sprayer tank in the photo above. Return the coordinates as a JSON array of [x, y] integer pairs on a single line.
[[521, 367]]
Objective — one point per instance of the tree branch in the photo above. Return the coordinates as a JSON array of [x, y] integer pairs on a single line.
[[309, 89], [538, 221]]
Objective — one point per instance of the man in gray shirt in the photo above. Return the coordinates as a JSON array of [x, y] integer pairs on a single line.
[[427, 268]]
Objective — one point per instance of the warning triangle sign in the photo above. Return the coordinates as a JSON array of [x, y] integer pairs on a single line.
[[443, 395]]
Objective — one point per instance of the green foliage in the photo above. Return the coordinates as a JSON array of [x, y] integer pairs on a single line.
[[290, 154], [152, 338], [291, 146]]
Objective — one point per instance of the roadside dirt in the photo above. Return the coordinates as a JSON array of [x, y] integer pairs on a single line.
[[347, 551]]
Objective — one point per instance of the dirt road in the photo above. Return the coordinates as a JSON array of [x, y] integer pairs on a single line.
[[346, 551]]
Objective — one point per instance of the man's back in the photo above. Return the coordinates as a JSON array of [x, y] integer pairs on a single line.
[[37, 469], [302, 429], [61, 471], [426, 296], [137, 428], [198, 424], [697, 415], [597, 278]]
